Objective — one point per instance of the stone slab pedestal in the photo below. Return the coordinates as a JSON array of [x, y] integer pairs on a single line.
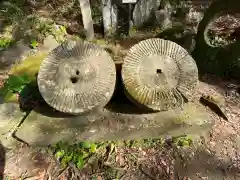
[[10, 114], [42, 128]]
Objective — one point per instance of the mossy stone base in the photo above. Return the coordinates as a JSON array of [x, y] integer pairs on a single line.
[[42, 130]]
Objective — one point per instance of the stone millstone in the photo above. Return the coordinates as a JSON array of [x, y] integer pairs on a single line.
[[77, 77], [156, 73]]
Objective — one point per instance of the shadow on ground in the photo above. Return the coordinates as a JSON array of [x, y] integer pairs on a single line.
[[2, 161], [31, 99], [122, 103]]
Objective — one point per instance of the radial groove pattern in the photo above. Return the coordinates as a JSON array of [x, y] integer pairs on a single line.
[[156, 73], [76, 77]]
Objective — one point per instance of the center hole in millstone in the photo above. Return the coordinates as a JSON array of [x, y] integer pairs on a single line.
[[77, 72], [158, 71], [74, 80]]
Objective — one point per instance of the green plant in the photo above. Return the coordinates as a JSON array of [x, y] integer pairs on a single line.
[[13, 87], [58, 31], [44, 28], [8, 178], [181, 141], [12, 10], [5, 43], [77, 153], [34, 44]]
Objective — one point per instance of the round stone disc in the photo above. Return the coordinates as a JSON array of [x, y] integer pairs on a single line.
[[157, 73], [76, 77]]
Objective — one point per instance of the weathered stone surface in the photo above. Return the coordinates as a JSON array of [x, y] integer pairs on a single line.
[[49, 43], [14, 58], [10, 114], [143, 11], [194, 16], [48, 129], [9, 142], [13, 55], [31, 64], [163, 18]]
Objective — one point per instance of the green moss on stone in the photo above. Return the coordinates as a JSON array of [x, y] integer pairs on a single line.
[[30, 66]]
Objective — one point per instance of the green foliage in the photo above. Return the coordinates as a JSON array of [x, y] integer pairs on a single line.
[[27, 26], [44, 28], [96, 9], [34, 44], [12, 10], [77, 153], [17, 83], [7, 178], [13, 86], [181, 141], [5, 43], [59, 32], [86, 152]]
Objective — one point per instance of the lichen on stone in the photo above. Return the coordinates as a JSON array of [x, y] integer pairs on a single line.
[[189, 113]]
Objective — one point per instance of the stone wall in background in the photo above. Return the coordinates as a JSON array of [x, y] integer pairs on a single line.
[[164, 13], [144, 10]]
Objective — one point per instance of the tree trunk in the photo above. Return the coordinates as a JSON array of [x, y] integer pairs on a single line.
[[109, 18], [87, 19]]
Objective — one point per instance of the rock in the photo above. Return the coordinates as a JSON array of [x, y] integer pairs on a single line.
[[10, 114], [20, 51], [194, 16], [163, 18], [9, 142], [49, 43], [181, 35], [143, 11], [30, 65], [216, 104], [42, 129], [13, 55]]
